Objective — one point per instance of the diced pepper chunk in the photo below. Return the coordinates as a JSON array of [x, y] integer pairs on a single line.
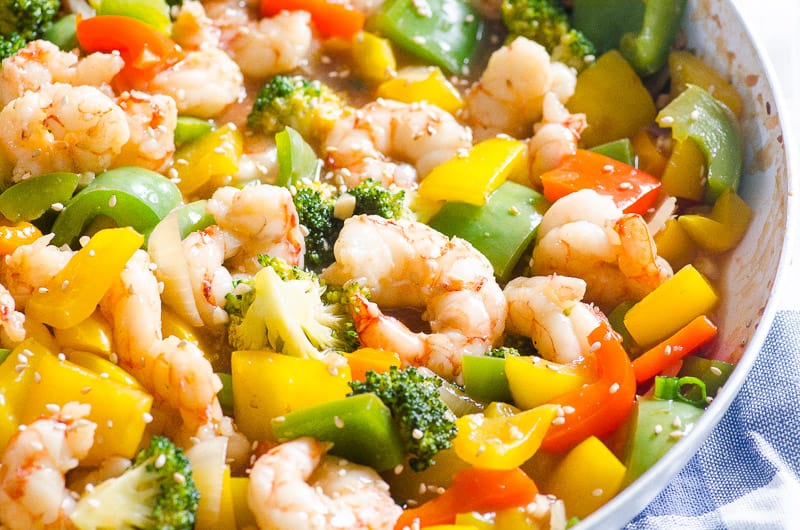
[[685, 68], [485, 378], [723, 228], [215, 153], [534, 381], [373, 58], [418, 83], [501, 229]]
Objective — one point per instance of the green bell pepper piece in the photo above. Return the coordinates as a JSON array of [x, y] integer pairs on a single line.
[[648, 49], [188, 128], [4, 353], [154, 13], [29, 199], [445, 33], [712, 372], [63, 33], [360, 428], [193, 217], [620, 150], [655, 427], [617, 320], [296, 159], [130, 196], [225, 394], [696, 114], [501, 229], [485, 378], [642, 30]]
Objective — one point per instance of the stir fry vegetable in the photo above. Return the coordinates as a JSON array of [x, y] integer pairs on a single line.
[[404, 264]]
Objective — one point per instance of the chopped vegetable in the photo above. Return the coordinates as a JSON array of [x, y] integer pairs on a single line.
[[22, 21], [697, 115], [633, 191], [685, 341], [29, 199], [534, 381], [620, 150], [416, 84], [721, 229], [213, 154], [154, 13], [687, 69], [444, 33], [668, 387], [332, 19], [485, 378], [425, 424]]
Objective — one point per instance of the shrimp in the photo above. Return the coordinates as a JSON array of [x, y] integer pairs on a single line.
[[151, 122], [31, 266], [408, 264], [42, 63], [585, 235], [62, 127], [548, 309], [33, 492], [173, 370], [270, 46], [556, 136], [421, 136], [296, 485], [261, 219], [508, 96], [12, 321]]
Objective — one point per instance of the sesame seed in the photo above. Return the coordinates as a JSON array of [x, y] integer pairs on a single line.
[[417, 434], [625, 186], [597, 492], [112, 201], [667, 120], [113, 357], [37, 377], [104, 375], [613, 388], [52, 408], [677, 423], [595, 346], [91, 253], [179, 478], [676, 435], [62, 357], [568, 409], [83, 241], [160, 461], [42, 290], [398, 469], [86, 390], [20, 368], [64, 285], [715, 370], [338, 422], [694, 114], [37, 445], [22, 359], [558, 420], [147, 417], [667, 350], [57, 206], [658, 429]]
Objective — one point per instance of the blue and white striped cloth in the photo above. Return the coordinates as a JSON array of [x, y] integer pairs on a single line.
[[747, 474]]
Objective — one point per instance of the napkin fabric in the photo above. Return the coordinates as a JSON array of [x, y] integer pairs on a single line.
[[745, 476]]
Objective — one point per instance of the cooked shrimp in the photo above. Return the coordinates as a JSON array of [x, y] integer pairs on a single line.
[[548, 309], [261, 219], [202, 83], [173, 370], [296, 485], [585, 235], [408, 264], [193, 29], [269, 46], [62, 128], [556, 136], [151, 121], [11, 320], [393, 142], [508, 96], [42, 63], [30, 267], [33, 493]]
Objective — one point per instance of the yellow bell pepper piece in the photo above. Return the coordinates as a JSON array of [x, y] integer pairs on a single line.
[[598, 91], [674, 244], [172, 324], [685, 173], [215, 153], [16, 380], [118, 410], [586, 478], [227, 512], [268, 384], [35, 329], [373, 58], [420, 83], [670, 306], [241, 506], [103, 367], [723, 228], [649, 158], [686, 68], [452, 527], [73, 293], [534, 381], [92, 334], [498, 409], [370, 359], [503, 442], [472, 178]]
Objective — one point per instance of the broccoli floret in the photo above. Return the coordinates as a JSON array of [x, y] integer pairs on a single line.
[[316, 203], [308, 106], [156, 492], [22, 21], [289, 310], [425, 423], [372, 198], [546, 22]]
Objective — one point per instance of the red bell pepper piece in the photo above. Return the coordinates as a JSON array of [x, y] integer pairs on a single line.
[[332, 18], [687, 339], [473, 490], [599, 408], [144, 49], [633, 190]]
